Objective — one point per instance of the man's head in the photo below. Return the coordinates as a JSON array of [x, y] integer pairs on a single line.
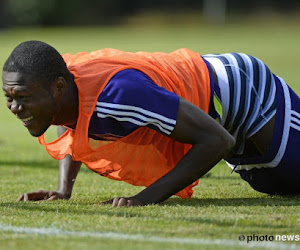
[[35, 79]]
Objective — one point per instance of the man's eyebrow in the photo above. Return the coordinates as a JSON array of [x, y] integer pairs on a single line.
[[22, 89], [17, 89], [18, 81]]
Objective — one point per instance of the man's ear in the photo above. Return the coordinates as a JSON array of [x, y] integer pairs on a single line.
[[59, 86]]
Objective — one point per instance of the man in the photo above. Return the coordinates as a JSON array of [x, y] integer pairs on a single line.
[[150, 118]]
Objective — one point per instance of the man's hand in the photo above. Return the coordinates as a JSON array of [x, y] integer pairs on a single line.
[[123, 202], [42, 195], [68, 170]]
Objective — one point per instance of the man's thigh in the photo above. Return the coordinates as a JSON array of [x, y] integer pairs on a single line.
[[284, 178]]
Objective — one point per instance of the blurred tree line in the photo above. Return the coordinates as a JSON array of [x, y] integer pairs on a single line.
[[110, 12]]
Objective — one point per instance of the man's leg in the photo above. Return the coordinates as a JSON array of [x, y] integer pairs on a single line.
[[285, 177]]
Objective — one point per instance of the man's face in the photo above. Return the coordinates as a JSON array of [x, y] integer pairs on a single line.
[[29, 101]]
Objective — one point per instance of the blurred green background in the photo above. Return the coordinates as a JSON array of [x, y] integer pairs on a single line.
[[114, 12], [269, 30]]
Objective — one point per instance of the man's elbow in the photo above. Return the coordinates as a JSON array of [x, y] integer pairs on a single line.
[[227, 143], [221, 142]]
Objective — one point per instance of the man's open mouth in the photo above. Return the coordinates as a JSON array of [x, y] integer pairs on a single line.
[[26, 121]]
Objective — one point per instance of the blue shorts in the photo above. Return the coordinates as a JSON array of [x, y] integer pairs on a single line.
[[278, 171], [251, 95]]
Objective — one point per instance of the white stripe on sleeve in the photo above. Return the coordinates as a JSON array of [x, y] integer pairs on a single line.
[[149, 120], [135, 115], [141, 110], [128, 119]]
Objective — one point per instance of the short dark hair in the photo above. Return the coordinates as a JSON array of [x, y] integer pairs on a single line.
[[39, 60]]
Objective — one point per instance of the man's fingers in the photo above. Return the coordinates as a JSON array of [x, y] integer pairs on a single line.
[[115, 202], [122, 202], [108, 202], [52, 198], [131, 203], [21, 197], [25, 197], [35, 196], [119, 202]]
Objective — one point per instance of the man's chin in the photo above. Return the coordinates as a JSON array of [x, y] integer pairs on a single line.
[[36, 133]]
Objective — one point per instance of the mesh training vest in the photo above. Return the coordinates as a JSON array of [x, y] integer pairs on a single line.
[[145, 155]]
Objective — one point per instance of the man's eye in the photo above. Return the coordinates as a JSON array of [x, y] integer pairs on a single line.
[[23, 98], [8, 98]]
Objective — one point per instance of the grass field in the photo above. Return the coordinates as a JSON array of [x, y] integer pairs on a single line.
[[223, 206]]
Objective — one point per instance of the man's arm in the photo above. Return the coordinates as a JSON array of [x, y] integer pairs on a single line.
[[68, 170], [210, 143]]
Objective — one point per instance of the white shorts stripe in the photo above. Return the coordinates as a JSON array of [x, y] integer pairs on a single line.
[[294, 126], [286, 129], [296, 114], [251, 90], [285, 133], [295, 121]]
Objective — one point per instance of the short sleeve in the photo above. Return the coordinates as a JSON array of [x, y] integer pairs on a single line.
[[131, 100]]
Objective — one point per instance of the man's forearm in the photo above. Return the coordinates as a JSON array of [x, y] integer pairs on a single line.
[[68, 170], [196, 163], [211, 142]]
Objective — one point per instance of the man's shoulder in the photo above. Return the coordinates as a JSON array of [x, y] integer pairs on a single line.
[[130, 74], [129, 79]]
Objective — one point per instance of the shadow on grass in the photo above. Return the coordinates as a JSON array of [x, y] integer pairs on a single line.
[[274, 200], [227, 176], [90, 209], [292, 200], [31, 164]]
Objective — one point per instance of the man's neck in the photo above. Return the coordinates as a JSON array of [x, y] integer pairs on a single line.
[[68, 107]]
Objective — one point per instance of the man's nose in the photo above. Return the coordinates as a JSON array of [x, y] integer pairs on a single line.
[[16, 107]]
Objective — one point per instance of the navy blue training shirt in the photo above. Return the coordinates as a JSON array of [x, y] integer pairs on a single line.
[[131, 100]]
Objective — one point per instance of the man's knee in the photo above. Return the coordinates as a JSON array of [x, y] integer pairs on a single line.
[[266, 180]]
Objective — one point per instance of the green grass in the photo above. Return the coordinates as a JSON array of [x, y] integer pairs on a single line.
[[223, 206]]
